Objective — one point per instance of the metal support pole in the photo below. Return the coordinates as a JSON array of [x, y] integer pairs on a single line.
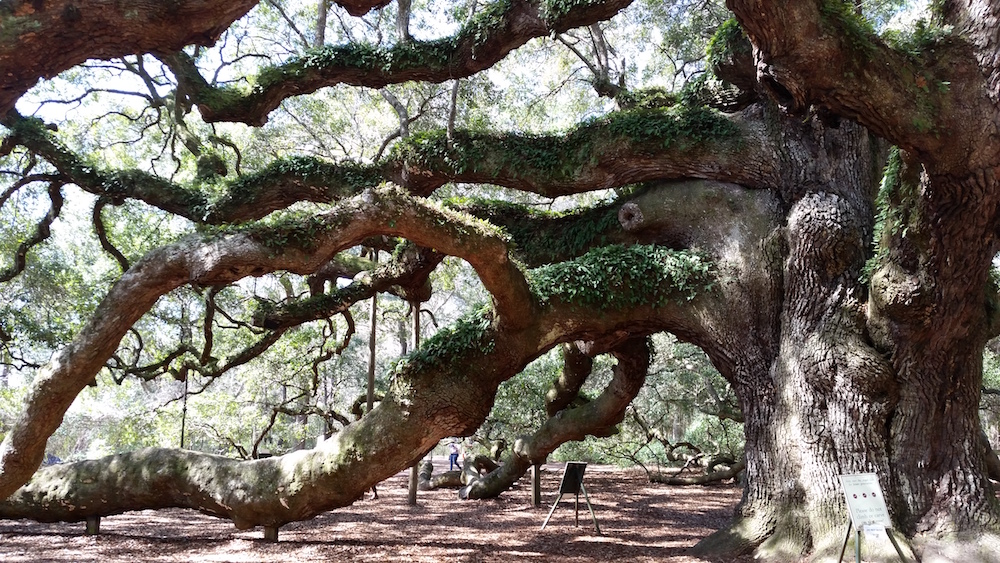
[[896, 545], [554, 505], [847, 538], [586, 497], [536, 485]]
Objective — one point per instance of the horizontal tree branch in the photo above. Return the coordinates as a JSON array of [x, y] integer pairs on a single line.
[[424, 385], [487, 38], [617, 150]]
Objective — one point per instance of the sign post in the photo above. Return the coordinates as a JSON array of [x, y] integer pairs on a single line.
[[572, 482], [867, 510]]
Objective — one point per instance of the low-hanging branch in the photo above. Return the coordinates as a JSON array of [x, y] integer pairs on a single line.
[[42, 232], [421, 405], [299, 246], [597, 417], [301, 484]]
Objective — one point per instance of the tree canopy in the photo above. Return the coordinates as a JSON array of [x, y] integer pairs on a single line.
[[203, 191]]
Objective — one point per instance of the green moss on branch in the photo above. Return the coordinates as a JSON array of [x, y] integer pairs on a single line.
[[561, 157], [542, 237], [451, 347], [618, 277]]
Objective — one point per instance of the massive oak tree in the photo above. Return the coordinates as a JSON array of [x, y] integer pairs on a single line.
[[749, 237]]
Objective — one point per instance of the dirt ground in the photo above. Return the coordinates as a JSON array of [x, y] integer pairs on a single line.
[[639, 521]]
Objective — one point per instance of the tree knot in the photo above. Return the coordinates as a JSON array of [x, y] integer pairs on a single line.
[[630, 216]]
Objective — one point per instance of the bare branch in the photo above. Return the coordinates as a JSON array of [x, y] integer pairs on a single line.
[[102, 234], [52, 46], [41, 233]]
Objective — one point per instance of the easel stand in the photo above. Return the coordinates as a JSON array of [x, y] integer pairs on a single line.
[[572, 482], [857, 544], [866, 510], [585, 498]]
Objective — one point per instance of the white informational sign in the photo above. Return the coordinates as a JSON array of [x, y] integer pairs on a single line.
[[876, 532], [865, 501]]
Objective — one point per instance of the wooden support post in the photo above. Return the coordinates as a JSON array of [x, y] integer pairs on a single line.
[[414, 480], [93, 525], [271, 534], [536, 485], [415, 470]]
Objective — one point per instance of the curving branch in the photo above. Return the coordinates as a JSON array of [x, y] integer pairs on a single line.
[[597, 417], [221, 260], [902, 95], [483, 41], [43, 39], [407, 278], [577, 366], [102, 234], [421, 406], [42, 231]]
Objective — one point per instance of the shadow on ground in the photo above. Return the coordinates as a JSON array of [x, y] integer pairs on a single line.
[[639, 521]]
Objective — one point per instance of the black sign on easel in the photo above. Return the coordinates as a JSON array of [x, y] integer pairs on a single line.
[[572, 482]]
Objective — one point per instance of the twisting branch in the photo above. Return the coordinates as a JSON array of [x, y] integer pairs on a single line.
[[577, 366], [521, 325], [102, 234], [406, 277], [597, 417], [208, 333], [24, 181], [42, 231]]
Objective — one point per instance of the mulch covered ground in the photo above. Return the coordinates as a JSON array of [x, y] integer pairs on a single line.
[[639, 521]]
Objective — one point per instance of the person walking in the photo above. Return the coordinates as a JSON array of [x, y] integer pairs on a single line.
[[453, 453]]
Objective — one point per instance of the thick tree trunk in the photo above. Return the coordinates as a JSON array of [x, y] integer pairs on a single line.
[[932, 312], [929, 310], [819, 407]]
